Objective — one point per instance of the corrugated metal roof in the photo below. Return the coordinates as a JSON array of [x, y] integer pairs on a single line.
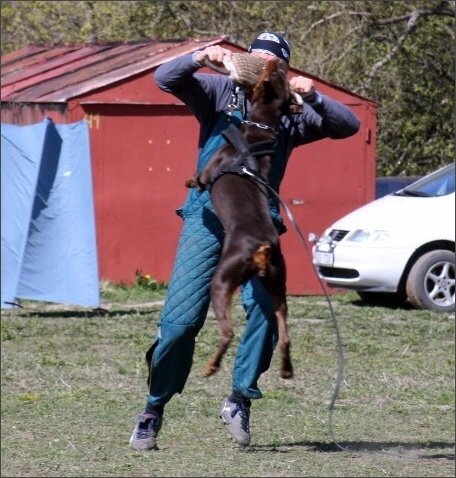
[[58, 72]]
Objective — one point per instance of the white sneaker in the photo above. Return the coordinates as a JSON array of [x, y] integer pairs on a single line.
[[144, 436], [236, 417]]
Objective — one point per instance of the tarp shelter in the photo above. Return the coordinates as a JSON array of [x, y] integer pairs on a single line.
[[143, 146], [48, 241]]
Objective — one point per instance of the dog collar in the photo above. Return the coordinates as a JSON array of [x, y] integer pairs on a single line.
[[260, 125]]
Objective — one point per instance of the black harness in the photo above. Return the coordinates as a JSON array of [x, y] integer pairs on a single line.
[[245, 161]]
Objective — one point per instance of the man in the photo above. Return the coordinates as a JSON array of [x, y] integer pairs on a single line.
[[216, 102]]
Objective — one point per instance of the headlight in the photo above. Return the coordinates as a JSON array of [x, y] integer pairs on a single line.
[[325, 243], [360, 235]]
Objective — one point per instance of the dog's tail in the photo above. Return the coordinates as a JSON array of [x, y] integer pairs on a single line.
[[261, 259]]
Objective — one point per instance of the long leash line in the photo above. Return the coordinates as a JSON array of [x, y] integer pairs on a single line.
[[340, 360], [340, 356], [340, 368]]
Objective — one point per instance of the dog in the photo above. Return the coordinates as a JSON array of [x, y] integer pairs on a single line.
[[251, 243]]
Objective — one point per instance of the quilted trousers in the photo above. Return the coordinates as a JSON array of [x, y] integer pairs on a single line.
[[187, 304]]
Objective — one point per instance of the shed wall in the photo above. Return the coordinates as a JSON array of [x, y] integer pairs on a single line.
[[142, 156], [143, 147]]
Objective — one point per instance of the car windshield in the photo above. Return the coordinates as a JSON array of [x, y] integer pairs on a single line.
[[438, 183]]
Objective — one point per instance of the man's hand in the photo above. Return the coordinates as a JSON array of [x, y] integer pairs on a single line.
[[214, 54], [304, 87]]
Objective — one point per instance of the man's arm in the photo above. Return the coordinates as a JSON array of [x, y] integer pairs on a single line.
[[205, 94], [331, 118], [323, 117]]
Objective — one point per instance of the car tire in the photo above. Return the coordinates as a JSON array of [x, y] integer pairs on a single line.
[[382, 298], [431, 282]]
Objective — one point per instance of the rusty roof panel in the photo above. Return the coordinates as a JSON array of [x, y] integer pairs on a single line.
[[57, 73], [20, 56], [37, 58], [64, 71], [21, 79]]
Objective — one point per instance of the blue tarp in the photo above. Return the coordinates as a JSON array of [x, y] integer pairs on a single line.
[[48, 235]]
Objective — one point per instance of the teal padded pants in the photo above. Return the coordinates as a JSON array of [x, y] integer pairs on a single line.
[[188, 300]]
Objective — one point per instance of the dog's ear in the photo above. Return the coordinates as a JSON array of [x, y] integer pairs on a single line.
[[271, 65], [272, 80], [282, 66]]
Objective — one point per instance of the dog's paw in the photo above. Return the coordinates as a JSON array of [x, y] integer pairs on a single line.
[[210, 370], [286, 371], [286, 374]]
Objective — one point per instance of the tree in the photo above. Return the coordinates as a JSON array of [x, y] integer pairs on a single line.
[[399, 54]]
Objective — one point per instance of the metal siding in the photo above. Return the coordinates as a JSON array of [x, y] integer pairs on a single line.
[[324, 181], [30, 56], [141, 158], [30, 113], [45, 71], [140, 89]]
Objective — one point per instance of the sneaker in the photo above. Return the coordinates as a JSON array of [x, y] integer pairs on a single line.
[[144, 435], [236, 417]]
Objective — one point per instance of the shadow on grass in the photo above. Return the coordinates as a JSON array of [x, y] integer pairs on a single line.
[[392, 304], [90, 314], [362, 447]]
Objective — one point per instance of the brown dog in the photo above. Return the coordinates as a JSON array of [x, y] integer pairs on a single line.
[[251, 244]]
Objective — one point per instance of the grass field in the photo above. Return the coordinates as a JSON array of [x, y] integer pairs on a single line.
[[73, 381]]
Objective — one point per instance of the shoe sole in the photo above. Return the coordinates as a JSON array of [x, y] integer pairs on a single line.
[[154, 447]]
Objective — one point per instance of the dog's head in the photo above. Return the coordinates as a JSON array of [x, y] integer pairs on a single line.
[[273, 89]]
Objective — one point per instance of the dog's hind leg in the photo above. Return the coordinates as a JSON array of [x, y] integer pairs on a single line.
[[221, 297], [276, 286], [286, 368]]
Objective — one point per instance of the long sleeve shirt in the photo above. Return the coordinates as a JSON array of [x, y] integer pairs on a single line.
[[206, 95]]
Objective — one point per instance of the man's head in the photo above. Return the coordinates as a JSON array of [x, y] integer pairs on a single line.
[[271, 43]]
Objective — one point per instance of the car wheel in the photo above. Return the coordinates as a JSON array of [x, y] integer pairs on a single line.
[[382, 298], [430, 284]]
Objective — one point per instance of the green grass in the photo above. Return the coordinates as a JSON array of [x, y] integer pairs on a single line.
[[73, 381]]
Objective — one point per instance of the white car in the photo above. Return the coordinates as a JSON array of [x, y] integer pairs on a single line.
[[401, 246]]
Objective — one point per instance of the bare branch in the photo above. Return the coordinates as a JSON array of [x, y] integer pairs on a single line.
[[329, 18], [400, 41], [438, 10]]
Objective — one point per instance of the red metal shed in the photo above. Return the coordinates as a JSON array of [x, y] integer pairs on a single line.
[[144, 142]]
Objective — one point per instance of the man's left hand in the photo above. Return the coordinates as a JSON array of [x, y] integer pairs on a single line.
[[304, 87]]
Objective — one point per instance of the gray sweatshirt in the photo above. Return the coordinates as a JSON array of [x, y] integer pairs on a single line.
[[207, 94]]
